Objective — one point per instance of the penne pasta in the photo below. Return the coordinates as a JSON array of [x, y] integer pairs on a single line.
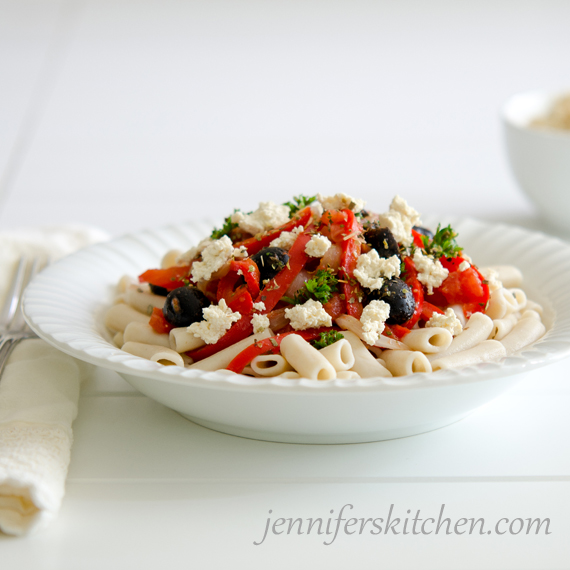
[[143, 332], [159, 354], [143, 301], [428, 340], [347, 375], [181, 340], [169, 258], [502, 327], [399, 301], [477, 330], [404, 362], [305, 359], [339, 354], [487, 351], [119, 316], [508, 275], [525, 332], [365, 365], [270, 365]]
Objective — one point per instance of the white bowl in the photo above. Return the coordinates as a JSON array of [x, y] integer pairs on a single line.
[[64, 305], [539, 158]]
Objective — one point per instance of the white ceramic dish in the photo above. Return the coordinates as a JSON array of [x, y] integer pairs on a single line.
[[539, 158], [64, 304]]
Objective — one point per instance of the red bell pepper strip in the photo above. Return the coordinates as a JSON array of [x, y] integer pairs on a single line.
[[268, 345], [240, 330], [254, 244], [418, 242], [428, 310], [395, 331], [411, 278], [351, 249], [159, 323], [170, 278], [271, 294]]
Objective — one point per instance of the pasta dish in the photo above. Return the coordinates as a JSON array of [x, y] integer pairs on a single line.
[[323, 288]]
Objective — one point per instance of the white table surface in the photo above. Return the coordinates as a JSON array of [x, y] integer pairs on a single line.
[[127, 114]]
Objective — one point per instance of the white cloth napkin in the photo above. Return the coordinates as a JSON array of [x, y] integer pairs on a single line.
[[39, 392]]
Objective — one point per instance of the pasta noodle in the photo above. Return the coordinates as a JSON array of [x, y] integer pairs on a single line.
[[404, 362], [305, 359], [154, 353], [365, 365], [428, 340], [487, 351], [525, 332], [181, 340], [478, 329], [322, 288], [143, 332], [339, 355], [270, 365]]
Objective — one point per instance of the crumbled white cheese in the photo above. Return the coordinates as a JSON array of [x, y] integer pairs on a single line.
[[259, 306], [464, 265], [214, 256], [371, 269], [217, 321], [259, 323], [431, 272], [240, 252], [400, 219], [186, 257], [267, 217], [492, 278], [373, 318], [447, 321], [317, 246], [287, 239], [239, 272], [341, 201], [309, 315], [317, 209]]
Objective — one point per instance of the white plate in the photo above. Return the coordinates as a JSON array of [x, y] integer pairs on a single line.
[[64, 306]]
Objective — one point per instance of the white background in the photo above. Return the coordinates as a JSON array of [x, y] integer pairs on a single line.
[[130, 114]]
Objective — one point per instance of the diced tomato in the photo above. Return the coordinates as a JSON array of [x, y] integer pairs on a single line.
[[451, 263], [159, 323], [467, 286], [170, 278], [335, 307], [428, 310]]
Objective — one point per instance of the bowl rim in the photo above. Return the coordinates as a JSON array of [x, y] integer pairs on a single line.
[[545, 97], [51, 320]]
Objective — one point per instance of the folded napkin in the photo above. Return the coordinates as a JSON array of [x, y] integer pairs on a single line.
[[39, 391]]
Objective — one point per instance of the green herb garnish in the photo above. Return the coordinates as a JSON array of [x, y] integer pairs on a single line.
[[320, 288], [226, 229], [300, 202], [326, 339], [443, 243]]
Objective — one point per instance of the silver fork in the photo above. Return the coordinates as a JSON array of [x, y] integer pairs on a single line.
[[13, 327]]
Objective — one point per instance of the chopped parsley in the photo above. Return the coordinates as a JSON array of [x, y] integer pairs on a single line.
[[320, 288], [225, 230], [299, 202], [443, 243], [326, 339]]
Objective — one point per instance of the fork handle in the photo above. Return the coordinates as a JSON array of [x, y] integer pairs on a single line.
[[7, 344]]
